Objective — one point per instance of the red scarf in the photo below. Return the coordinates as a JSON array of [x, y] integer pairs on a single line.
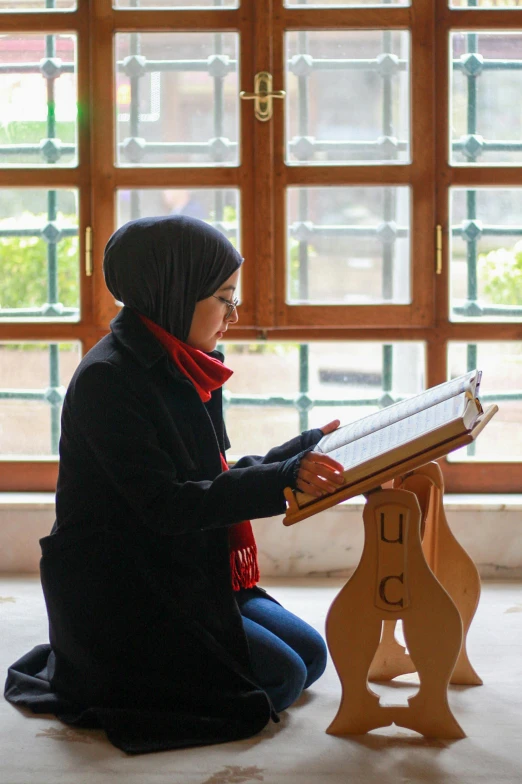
[[207, 374]]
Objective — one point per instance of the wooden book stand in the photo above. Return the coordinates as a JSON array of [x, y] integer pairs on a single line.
[[411, 569], [400, 577]]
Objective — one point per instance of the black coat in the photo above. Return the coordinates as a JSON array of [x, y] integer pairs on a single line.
[[146, 636]]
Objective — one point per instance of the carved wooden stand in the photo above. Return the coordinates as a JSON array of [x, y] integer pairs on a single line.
[[412, 568]]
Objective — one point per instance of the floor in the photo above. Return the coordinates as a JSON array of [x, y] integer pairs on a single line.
[[297, 750]]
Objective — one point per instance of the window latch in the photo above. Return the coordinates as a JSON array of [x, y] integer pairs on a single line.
[[88, 251], [438, 250], [262, 96]]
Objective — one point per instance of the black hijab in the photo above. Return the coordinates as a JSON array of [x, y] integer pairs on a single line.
[[162, 267]]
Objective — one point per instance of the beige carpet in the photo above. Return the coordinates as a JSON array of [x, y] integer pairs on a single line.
[[43, 751]]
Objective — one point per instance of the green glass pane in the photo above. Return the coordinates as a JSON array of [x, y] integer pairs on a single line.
[[38, 76], [486, 254], [485, 89], [39, 254]]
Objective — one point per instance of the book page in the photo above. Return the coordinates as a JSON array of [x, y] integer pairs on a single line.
[[396, 412], [387, 438]]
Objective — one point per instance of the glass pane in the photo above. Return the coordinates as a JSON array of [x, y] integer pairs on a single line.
[[348, 246], [37, 5], [38, 94], [176, 4], [39, 264], [501, 364], [343, 3], [217, 206], [300, 386], [177, 99], [486, 254], [348, 96], [34, 377], [481, 4], [486, 84]]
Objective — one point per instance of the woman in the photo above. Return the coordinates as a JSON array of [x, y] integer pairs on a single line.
[[158, 632]]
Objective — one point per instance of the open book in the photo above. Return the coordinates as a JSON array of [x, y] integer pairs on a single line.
[[411, 427]]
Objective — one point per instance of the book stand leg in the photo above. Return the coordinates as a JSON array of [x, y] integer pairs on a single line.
[[451, 565], [392, 582]]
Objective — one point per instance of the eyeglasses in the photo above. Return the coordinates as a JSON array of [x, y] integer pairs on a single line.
[[231, 305]]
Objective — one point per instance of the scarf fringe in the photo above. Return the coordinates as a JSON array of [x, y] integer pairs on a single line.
[[244, 568]]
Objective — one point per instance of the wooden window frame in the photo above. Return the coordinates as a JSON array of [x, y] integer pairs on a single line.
[[262, 178]]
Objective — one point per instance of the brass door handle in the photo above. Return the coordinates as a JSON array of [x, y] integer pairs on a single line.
[[262, 96]]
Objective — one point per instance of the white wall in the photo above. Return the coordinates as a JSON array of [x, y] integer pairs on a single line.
[[328, 544]]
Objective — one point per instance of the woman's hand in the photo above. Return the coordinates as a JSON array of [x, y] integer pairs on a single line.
[[319, 474], [330, 427]]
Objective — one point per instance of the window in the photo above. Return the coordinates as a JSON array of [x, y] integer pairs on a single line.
[[396, 119]]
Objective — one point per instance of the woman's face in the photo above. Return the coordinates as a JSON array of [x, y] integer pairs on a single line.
[[209, 322]]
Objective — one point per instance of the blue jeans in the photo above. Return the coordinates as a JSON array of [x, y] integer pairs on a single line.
[[287, 654]]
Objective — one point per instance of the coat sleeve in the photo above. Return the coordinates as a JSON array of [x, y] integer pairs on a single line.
[[285, 451], [119, 433]]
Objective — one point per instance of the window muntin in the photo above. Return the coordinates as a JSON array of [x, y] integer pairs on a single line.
[[348, 97], [34, 377], [177, 99], [38, 82]]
